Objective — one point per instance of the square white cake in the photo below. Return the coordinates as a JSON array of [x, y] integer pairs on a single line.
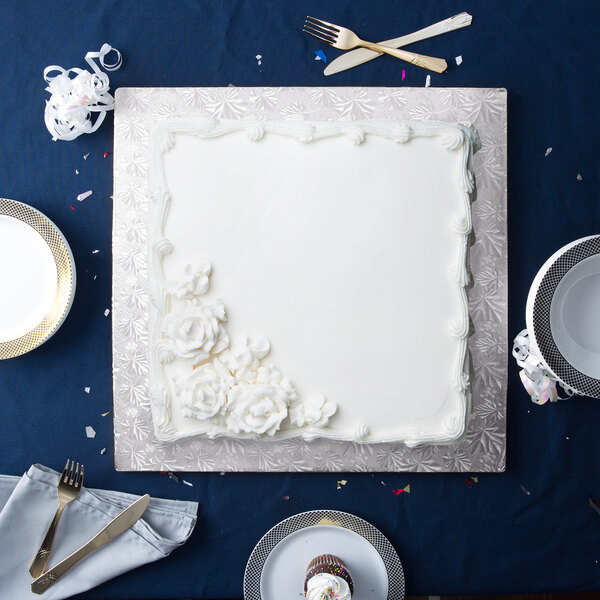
[[309, 279]]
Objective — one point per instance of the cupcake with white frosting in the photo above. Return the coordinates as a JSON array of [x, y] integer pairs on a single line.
[[328, 578]]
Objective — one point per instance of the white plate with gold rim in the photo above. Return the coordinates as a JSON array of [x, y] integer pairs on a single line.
[[37, 278], [276, 568]]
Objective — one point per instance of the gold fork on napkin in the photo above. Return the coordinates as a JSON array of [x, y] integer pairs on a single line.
[[69, 486]]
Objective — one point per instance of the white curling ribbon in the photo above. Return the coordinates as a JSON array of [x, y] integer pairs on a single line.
[[76, 93], [537, 380]]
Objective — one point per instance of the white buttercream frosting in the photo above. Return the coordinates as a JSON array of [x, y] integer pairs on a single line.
[[196, 331], [276, 244], [327, 587]]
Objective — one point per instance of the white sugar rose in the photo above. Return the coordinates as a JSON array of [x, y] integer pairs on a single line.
[[314, 411], [203, 392], [196, 331], [193, 281], [256, 408], [244, 355]]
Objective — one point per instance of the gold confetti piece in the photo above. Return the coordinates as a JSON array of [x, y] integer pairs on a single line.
[[106, 413], [341, 483], [475, 479], [407, 489]]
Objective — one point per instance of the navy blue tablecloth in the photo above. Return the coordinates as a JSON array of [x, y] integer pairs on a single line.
[[453, 537]]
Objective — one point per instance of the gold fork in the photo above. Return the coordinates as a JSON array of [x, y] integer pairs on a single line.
[[345, 39], [69, 487]]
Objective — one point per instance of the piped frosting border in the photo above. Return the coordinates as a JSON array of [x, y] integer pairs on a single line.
[[452, 136]]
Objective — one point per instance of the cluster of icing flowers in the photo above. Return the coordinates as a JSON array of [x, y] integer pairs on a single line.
[[227, 382]]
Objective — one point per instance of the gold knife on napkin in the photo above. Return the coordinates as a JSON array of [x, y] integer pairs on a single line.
[[123, 521], [362, 55]]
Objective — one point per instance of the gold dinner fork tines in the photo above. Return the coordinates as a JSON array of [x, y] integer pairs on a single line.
[[69, 487], [345, 39]]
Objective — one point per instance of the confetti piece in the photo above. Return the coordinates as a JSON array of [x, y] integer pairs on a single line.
[[469, 484], [87, 390], [525, 490], [428, 81], [72, 207], [548, 151], [95, 251], [286, 498], [76, 171], [383, 483], [399, 491], [579, 177], [106, 312], [89, 431], [106, 154], [84, 195], [341, 483], [403, 74], [259, 59], [172, 476], [475, 479], [458, 60], [85, 156], [320, 55], [106, 413], [187, 483], [95, 277], [103, 451]]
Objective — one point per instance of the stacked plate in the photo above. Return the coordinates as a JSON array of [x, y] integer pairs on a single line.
[[563, 315], [37, 275]]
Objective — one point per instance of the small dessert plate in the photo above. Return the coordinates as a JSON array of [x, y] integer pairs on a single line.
[[277, 566], [37, 277], [563, 315]]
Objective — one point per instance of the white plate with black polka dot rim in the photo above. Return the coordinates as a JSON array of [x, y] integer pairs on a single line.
[[277, 566], [563, 315]]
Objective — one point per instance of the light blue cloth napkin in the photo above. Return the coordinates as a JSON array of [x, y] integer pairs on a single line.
[[27, 506]]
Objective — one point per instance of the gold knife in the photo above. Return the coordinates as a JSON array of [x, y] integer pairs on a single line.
[[123, 521]]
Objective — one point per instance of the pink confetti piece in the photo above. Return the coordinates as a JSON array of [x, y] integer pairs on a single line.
[[399, 491], [286, 498], [81, 197], [469, 484], [89, 431], [71, 207], [403, 74], [106, 154]]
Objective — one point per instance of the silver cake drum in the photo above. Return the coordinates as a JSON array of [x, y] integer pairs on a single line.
[[562, 315]]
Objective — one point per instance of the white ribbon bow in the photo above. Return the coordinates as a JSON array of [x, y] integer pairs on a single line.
[[537, 380], [69, 110]]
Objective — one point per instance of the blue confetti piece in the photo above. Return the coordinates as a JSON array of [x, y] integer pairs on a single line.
[[320, 55]]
